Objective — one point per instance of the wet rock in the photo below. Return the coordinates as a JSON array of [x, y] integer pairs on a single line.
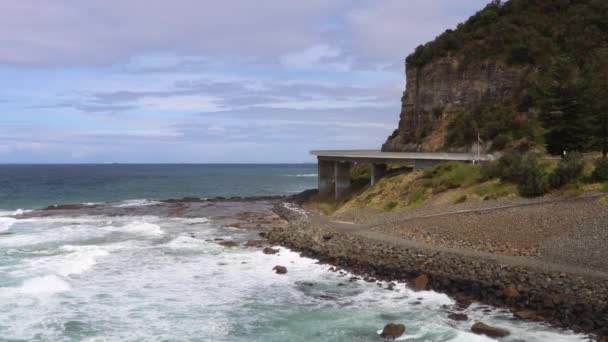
[[525, 315], [253, 243], [263, 234], [510, 292], [458, 317], [280, 269], [327, 237], [420, 283], [484, 329], [269, 250], [393, 331], [66, 207], [229, 244]]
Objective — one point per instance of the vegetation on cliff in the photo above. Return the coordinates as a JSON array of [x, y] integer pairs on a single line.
[[563, 45], [515, 174]]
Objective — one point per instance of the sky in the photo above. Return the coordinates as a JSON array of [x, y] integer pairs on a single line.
[[206, 81]]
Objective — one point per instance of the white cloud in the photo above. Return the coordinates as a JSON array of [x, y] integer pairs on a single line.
[[310, 56], [183, 103]]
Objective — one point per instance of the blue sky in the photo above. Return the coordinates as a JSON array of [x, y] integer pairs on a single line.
[[205, 81]]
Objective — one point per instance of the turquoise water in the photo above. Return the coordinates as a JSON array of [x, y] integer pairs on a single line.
[[128, 271], [31, 186]]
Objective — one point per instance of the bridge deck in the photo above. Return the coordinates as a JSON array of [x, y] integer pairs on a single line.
[[377, 156]]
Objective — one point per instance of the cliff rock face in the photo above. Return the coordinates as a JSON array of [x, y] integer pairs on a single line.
[[446, 87]]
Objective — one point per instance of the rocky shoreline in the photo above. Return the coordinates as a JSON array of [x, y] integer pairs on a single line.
[[577, 301]]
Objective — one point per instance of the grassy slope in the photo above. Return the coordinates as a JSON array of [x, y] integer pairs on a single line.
[[448, 183]]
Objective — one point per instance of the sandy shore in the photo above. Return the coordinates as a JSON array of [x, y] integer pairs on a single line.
[[545, 258]]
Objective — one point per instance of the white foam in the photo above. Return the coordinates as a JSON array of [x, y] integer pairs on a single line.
[[143, 228], [80, 260], [20, 212], [42, 286], [303, 175], [6, 223], [135, 203], [193, 220], [185, 242]]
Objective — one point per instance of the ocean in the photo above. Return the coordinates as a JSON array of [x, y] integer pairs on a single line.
[[127, 266]]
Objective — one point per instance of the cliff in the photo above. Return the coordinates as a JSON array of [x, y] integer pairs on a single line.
[[517, 71], [446, 87]]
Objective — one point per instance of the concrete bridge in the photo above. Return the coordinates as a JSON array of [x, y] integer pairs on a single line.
[[334, 166]]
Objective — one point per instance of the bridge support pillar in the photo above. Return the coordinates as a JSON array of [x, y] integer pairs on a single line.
[[342, 178], [326, 177], [378, 171]]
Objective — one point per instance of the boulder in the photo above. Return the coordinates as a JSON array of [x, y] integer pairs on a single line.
[[484, 329], [280, 269], [510, 292], [327, 237], [253, 243], [525, 315], [393, 331], [420, 283], [458, 317], [229, 244], [269, 250]]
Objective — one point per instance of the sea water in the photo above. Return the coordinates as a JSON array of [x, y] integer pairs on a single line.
[[129, 272]]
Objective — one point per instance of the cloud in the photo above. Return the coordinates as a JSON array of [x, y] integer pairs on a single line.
[[67, 32], [203, 80]]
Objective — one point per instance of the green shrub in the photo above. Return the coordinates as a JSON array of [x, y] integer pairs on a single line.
[[523, 170], [532, 180], [600, 173], [488, 171], [569, 169], [509, 167]]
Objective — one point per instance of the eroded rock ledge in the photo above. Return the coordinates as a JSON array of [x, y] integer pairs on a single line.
[[561, 299]]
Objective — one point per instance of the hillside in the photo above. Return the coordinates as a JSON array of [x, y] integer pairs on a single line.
[[521, 71]]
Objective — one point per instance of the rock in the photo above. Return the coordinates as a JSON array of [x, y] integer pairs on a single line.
[[525, 315], [253, 243], [393, 331], [327, 237], [420, 283], [458, 317], [229, 244], [510, 292], [280, 269], [269, 250], [464, 88], [484, 329]]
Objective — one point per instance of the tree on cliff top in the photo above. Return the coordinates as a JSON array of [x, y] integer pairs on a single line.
[[527, 32]]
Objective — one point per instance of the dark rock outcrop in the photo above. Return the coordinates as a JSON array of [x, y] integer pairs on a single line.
[[280, 269], [393, 331], [269, 250], [420, 283], [229, 244], [484, 329]]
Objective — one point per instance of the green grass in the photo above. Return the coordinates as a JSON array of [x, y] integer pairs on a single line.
[[451, 175], [494, 189], [605, 187], [390, 206], [417, 197]]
